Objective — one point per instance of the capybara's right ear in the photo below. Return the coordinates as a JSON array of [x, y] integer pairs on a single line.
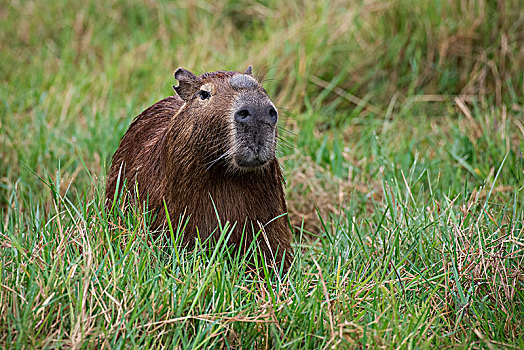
[[249, 71], [188, 83]]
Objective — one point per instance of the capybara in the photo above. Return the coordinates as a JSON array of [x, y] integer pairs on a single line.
[[207, 151]]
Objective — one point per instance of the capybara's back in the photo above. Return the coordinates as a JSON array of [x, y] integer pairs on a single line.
[[137, 147]]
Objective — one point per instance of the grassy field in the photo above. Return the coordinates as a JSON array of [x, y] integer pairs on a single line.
[[403, 156]]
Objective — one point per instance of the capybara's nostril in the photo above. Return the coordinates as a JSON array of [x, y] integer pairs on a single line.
[[243, 116], [273, 114]]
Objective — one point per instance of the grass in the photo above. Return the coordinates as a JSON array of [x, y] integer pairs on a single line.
[[403, 124]]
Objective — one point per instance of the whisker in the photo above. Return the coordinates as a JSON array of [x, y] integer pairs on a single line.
[[284, 130], [261, 73], [282, 146], [226, 154], [285, 138], [265, 80], [287, 145]]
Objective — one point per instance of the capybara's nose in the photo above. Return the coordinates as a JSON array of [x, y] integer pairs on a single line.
[[244, 115], [266, 114]]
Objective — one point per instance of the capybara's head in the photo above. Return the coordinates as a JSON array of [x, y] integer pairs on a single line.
[[232, 117]]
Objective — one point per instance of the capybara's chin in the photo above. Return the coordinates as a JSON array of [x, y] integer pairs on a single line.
[[249, 162], [173, 155], [251, 158]]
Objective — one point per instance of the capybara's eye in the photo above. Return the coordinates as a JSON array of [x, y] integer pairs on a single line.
[[204, 95]]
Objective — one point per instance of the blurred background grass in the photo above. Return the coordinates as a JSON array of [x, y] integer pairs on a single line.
[[425, 97], [342, 72]]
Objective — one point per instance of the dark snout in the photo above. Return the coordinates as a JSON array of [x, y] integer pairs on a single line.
[[255, 124], [257, 114]]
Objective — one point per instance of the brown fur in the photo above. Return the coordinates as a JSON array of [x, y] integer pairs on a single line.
[[169, 150]]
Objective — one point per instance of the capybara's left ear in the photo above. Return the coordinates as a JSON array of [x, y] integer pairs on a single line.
[[249, 71], [188, 83]]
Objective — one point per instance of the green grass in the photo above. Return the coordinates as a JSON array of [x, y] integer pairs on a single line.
[[404, 135]]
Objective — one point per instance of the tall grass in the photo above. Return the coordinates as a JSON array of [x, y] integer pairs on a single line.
[[403, 135]]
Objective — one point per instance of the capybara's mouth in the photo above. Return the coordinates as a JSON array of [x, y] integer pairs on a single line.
[[251, 164], [251, 159]]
